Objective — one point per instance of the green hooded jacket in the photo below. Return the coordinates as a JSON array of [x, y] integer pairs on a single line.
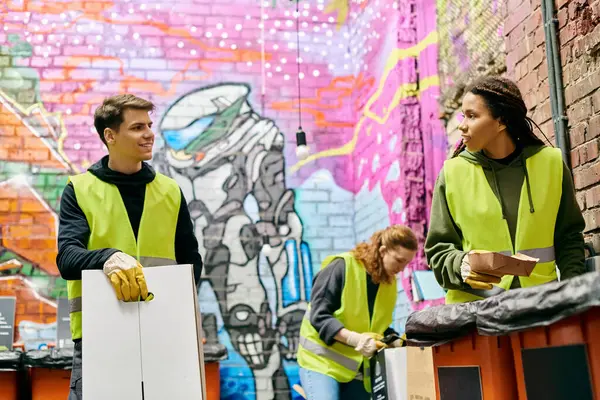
[[443, 246]]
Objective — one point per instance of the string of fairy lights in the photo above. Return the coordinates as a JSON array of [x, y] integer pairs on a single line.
[[302, 27]]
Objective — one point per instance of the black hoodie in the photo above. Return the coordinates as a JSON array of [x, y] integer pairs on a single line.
[[74, 231]]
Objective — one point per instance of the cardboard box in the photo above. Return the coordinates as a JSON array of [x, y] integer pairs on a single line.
[[498, 264], [403, 374], [420, 375], [138, 350]]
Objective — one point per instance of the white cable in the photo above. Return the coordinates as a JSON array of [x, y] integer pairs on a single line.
[[262, 52]]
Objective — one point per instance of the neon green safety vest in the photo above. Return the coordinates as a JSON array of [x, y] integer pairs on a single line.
[[478, 215], [340, 361], [109, 225]]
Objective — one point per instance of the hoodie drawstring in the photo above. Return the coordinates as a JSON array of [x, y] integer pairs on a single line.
[[497, 187], [531, 209], [481, 159]]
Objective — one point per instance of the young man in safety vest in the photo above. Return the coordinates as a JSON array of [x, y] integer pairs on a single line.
[[108, 216]]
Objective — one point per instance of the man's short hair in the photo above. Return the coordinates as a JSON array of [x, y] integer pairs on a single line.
[[110, 113]]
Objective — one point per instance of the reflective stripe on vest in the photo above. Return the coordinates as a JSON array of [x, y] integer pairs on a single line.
[[339, 361], [479, 217], [75, 304], [346, 362], [153, 247]]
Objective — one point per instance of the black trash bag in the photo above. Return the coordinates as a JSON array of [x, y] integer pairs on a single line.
[[49, 358], [521, 309], [440, 324], [214, 352], [11, 360]]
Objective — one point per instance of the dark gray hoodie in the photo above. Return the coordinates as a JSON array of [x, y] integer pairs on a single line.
[[443, 246]]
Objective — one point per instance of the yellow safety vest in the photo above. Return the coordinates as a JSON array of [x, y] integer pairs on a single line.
[[109, 225], [478, 215], [340, 361]]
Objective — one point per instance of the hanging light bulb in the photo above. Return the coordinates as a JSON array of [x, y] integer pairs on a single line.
[[302, 150]]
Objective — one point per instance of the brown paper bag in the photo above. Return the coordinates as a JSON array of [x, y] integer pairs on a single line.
[[492, 263]]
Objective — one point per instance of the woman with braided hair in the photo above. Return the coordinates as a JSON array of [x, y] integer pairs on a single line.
[[504, 191], [351, 307]]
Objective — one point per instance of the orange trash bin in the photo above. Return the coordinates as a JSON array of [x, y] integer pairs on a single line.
[[8, 385], [214, 352], [581, 329], [49, 373], [49, 384], [10, 368], [472, 364], [213, 381]]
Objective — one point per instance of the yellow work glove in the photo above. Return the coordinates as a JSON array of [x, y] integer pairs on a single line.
[[127, 278], [377, 337], [476, 280], [364, 343]]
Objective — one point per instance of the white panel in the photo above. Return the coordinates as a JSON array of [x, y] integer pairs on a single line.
[[395, 370], [111, 342], [170, 348]]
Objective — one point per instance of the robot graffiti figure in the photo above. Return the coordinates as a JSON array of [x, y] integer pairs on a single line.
[[229, 162]]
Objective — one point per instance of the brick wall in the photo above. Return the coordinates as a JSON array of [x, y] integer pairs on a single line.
[[362, 72], [58, 60], [579, 40], [400, 142], [472, 43]]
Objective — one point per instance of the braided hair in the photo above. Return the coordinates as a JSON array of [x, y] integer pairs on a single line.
[[505, 102]]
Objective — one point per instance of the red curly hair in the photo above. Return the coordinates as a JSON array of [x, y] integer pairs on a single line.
[[391, 237]]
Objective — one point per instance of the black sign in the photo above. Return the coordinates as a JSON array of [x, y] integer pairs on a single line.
[[63, 327], [379, 386], [7, 322], [460, 383], [557, 373]]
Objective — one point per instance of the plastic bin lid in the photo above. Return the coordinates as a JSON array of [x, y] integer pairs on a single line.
[[543, 305], [214, 352], [440, 324], [49, 358], [11, 360]]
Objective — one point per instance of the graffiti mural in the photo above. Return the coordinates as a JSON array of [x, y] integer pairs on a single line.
[[397, 144], [224, 81], [32, 175], [229, 162]]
